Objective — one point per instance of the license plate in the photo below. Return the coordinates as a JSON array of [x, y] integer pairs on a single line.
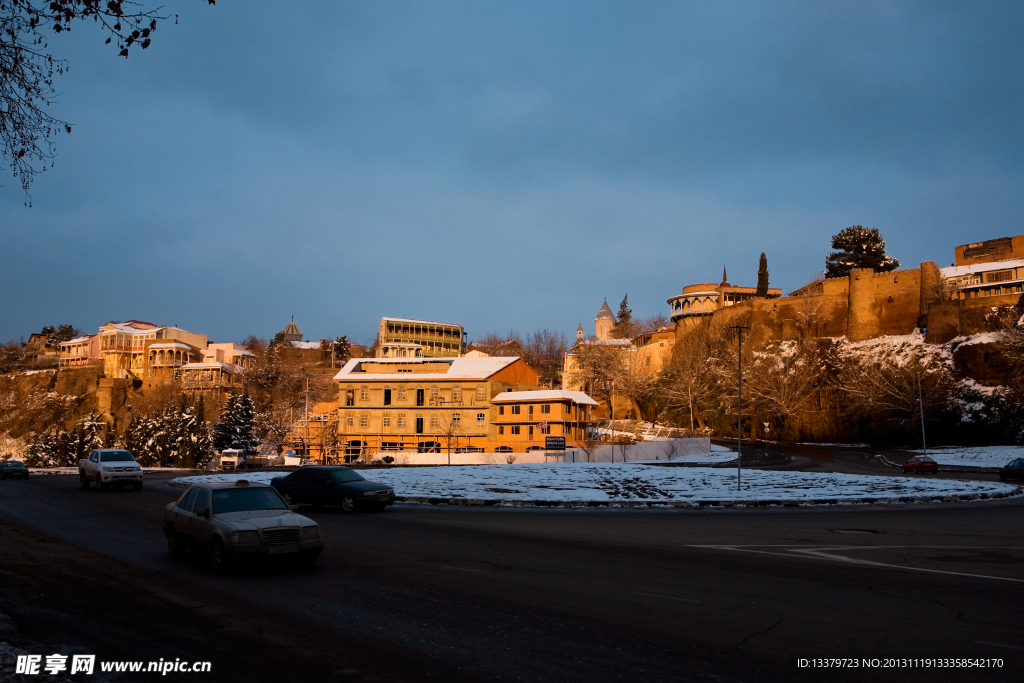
[[281, 549]]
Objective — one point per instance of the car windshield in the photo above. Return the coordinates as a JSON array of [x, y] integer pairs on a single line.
[[116, 456], [14, 463], [243, 499], [923, 458], [346, 475]]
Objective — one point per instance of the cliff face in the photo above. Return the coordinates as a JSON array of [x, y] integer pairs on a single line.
[[37, 400]]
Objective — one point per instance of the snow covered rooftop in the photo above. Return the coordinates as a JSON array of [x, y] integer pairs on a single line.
[[170, 345], [545, 395], [306, 344], [957, 271], [79, 340], [230, 367], [131, 327], [458, 368]]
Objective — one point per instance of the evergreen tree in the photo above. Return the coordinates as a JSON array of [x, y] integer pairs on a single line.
[[762, 277], [234, 429], [624, 327], [858, 247]]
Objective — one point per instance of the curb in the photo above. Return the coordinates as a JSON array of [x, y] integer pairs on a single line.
[[692, 504]]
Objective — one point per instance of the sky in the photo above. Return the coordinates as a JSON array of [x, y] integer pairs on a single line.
[[504, 165]]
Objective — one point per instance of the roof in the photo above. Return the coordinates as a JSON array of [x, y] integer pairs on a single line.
[[132, 326], [956, 271], [605, 313], [306, 344], [292, 329], [79, 340], [171, 345], [459, 368], [419, 322], [230, 367], [545, 395]]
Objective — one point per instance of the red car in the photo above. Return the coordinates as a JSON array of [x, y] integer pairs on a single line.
[[921, 463]]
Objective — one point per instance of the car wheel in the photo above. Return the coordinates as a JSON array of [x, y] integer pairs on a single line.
[[175, 544], [218, 559], [99, 483], [83, 479], [137, 487], [905, 470], [348, 504]]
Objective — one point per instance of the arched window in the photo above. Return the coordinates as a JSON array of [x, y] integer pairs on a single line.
[[481, 419], [456, 394], [456, 418], [433, 394], [385, 421], [364, 393], [401, 420], [364, 419], [435, 421], [481, 393]]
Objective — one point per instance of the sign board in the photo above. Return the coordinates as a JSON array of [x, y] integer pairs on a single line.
[[554, 443]]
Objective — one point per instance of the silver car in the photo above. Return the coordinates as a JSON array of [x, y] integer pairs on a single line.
[[231, 520]]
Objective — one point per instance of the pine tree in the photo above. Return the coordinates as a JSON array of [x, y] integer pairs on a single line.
[[762, 277], [858, 247], [624, 327], [234, 429], [222, 430]]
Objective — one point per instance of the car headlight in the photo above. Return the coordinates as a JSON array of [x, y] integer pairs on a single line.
[[107, 469], [243, 538], [307, 533]]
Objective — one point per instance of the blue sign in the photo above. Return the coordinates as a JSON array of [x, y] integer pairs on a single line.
[[554, 443]]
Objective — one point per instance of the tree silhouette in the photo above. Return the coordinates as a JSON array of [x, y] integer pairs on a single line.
[[762, 277], [858, 247]]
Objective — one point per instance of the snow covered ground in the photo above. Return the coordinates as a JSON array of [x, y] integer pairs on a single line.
[[980, 456], [597, 482]]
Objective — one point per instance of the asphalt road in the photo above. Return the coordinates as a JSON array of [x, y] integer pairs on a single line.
[[423, 593]]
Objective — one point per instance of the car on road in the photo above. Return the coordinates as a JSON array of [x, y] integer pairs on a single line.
[[13, 469], [110, 467], [1013, 470], [230, 521], [333, 485], [921, 463]]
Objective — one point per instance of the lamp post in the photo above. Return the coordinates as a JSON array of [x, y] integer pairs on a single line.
[[739, 405]]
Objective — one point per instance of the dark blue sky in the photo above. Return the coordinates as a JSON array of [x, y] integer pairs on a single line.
[[505, 165]]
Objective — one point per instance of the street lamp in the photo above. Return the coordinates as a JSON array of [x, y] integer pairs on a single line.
[[739, 405]]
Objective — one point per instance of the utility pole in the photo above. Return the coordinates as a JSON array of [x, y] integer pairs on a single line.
[[920, 404], [739, 406], [305, 443]]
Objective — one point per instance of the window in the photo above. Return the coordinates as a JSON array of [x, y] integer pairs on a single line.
[[401, 420], [501, 430], [364, 394], [433, 394], [481, 418], [419, 423], [456, 418], [349, 420], [501, 410], [419, 397], [364, 419], [456, 395], [531, 430], [546, 429], [189, 499], [435, 421], [515, 410], [387, 397], [515, 429], [385, 421], [401, 393], [546, 408], [529, 410], [481, 393]]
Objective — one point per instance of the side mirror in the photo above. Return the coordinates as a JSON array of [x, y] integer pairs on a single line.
[[203, 512]]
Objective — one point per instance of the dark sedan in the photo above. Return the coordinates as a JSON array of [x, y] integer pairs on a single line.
[[1013, 470], [13, 469], [341, 486]]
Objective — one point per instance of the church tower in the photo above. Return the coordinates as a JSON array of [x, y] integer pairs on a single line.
[[579, 333], [604, 322]]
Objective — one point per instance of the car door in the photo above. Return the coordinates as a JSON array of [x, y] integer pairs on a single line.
[[201, 527], [321, 485], [297, 488], [180, 515]]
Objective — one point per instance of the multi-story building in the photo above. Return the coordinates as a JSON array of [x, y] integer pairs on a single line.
[[525, 418], [228, 352], [83, 350], [438, 340], [435, 404], [702, 300], [144, 351], [989, 268]]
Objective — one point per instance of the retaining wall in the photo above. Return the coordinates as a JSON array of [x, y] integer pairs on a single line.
[[646, 450]]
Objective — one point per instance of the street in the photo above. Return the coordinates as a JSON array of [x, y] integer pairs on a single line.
[[421, 592]]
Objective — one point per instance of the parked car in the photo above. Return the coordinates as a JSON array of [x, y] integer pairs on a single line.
[[13, 469], [1013, 470], [110, 467], [921, 463], [229, 521], [333, 485]]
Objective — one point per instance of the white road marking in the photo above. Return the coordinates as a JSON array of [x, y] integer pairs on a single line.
[[820, 553], [666, 597]]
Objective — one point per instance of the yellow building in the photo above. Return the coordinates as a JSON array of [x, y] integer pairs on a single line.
[[525, 418], [439, 340], [701, 301], [125, 349], [425, 404]]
